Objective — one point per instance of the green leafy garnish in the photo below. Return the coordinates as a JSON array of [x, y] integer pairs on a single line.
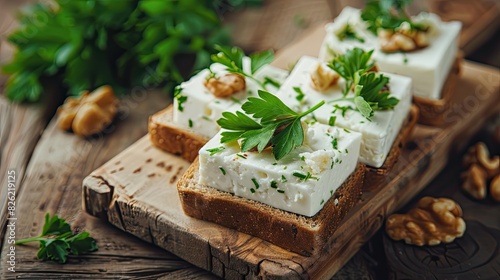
[[348, 33], [370, 88], [388, 14], [353, 61], [232, 58], [278, 125], [300, 94], [271, 81], [216, 150], [57, 241], [304, 177], [180, 98]]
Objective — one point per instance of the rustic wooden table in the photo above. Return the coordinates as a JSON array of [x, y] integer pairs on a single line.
[[49, 167]]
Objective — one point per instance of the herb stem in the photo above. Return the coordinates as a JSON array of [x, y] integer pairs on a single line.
[[314, 108], [342, 99], [31, 239], [261, 84]]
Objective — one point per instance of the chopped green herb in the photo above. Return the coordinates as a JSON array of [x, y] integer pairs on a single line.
[[275, 163], [349, 33], [302, 158], [305, 177], [213, 151], [405, 58], [332, 120], [256, 184], [269, 80], [332, 164], [346, 130], [237, 101], [281, 191], [342, 108], [334, 143], [274, 184], [322, 201], [206, 118], [346, 151], [252, 190], [300, 94], [331, 193], [283, 179], [222, 170], [190, 123], [241, 156], [181, 99]]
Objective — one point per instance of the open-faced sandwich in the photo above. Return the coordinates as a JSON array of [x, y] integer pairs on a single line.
[[185, 126], [276, 173]]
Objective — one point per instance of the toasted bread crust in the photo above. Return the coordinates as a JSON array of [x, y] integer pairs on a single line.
[[165, 135], [297, 233]]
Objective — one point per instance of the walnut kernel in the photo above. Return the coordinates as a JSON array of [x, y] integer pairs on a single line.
[[322, 78], [433, 221], [226, 85], [90, 113]]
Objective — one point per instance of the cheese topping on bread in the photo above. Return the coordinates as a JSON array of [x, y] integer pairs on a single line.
[[301, 182], [428, 67], [378, 133], [197, 109]]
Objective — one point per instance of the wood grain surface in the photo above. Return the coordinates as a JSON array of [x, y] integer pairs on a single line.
[[140, 187]]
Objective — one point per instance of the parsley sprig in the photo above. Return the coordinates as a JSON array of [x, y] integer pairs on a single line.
[[388, 14], [370, 88], [57, 240], [352, 62], [278, 125], [232, 58]]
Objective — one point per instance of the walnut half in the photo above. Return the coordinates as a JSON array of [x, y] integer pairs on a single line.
[[433, 221], [480, 169], [226, 85], [322, 78], [90, 113]]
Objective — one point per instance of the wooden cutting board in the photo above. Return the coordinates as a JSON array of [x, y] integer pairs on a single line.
[[135, 191]]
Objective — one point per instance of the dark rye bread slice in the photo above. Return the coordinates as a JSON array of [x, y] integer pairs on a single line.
[[300, 234], [169, 137]]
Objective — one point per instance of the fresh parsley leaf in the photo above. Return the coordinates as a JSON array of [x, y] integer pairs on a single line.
[[354, 61], [260, 59], [278, 125], [232, 58], [57, 241], [180, 98], [370, 88], [387, 14], [55, 226]]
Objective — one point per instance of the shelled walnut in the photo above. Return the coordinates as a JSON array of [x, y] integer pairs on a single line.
[[404, 38], [433, 221], [480, 169], [322, 78], [88, 114], [226, 85]]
